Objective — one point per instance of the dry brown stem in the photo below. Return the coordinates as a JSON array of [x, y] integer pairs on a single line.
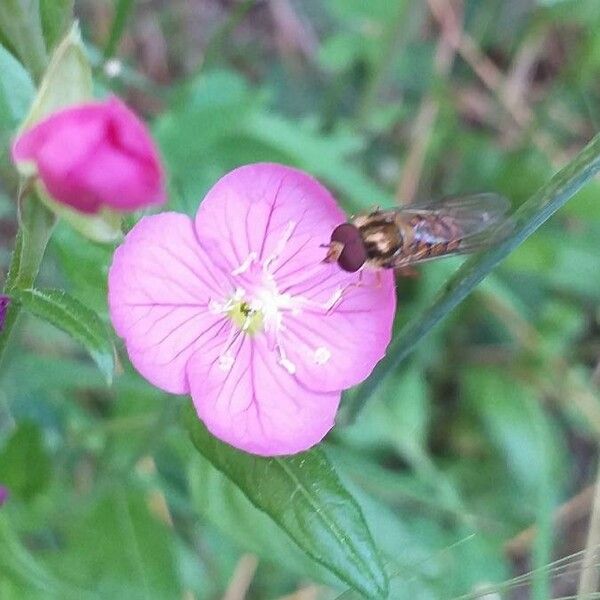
[[293, 35], [428, 111], [307, 593], [242, 578], [566, 515], [496, 82]]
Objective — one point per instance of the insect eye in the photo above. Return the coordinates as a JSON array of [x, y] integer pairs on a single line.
[[353, 255]]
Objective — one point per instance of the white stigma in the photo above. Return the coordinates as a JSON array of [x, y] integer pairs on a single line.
[[322, 355]]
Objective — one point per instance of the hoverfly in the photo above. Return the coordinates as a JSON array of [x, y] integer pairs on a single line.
[[396, 238]]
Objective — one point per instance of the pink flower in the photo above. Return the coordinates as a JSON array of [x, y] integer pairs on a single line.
[[238, 309], [94, 155]]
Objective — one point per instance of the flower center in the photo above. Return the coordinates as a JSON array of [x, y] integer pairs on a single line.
[[247, 319], [259, 307]]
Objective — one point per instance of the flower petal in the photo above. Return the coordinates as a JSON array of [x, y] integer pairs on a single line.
[[160, 285], [274, 211], [78, 129], [60, 147], [339, 348], [257, 405], [130, 134], [135, 185]]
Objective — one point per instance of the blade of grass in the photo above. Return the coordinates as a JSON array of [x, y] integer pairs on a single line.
[[214, 49], [590, 575], [123, 10], [533, 213], [546, 506]]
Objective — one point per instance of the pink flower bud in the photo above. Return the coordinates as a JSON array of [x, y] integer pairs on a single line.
[[94, 155]]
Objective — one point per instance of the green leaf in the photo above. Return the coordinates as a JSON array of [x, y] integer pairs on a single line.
[[16, 90], [305, 497], [56, 16], [67, 81], [81, 323], [84, 266], [119, 549], [540, 207], [223, 503], [36, 227], [123, 10], [24, 463], [16, 93], [323, 156], [30, 578], [398, 419], [21, 25], [511, 416], [533, 449]]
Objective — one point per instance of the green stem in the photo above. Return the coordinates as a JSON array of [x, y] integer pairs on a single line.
[[35, 226], [122, 13]]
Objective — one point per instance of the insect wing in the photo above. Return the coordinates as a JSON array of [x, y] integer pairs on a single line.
[[455, 225], [472, 214]]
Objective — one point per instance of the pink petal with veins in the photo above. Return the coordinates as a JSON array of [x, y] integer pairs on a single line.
[[340, 349], [159, 287], [238, 309], [256, 405], [255, 207], [250, 210]]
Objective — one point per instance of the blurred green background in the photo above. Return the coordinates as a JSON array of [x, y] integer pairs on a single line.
[[473, 463]]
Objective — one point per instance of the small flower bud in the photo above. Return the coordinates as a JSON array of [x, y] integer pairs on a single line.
[[93, 156]]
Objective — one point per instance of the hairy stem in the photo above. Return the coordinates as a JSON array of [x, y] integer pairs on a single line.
[[35, 226]]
